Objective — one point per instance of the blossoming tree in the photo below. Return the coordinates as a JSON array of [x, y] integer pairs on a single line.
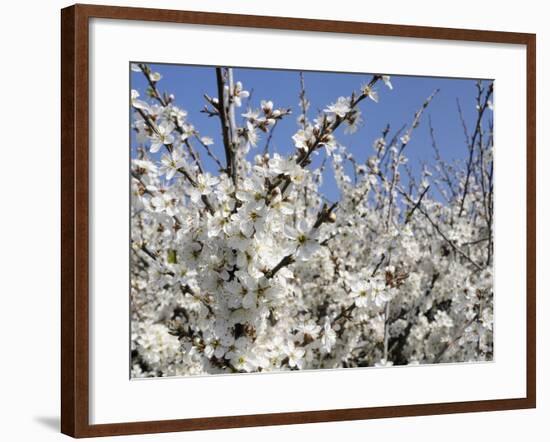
[[248, 268]]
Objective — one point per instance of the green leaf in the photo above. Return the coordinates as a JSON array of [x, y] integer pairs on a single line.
[[172, 257]]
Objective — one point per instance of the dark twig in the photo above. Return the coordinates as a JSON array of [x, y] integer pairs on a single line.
[[223, 112], [287, 260], [269, 137], [477, 131], [442, 167], [440, 232], [209, 152], [411, 213], [455, 339]]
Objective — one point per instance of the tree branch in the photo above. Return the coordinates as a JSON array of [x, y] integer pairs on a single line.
[[477, 131], [223, 112]]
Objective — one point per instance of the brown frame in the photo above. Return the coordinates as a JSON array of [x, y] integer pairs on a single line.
[[74, 219]]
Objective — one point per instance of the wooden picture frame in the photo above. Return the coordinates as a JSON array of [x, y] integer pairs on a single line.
[[75, 218]]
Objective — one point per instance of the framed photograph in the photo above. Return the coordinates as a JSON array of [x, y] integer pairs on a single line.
[[272, 221]]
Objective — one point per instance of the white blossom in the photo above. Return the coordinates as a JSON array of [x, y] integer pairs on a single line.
[[247, 267], [162, 136], [340, 108]]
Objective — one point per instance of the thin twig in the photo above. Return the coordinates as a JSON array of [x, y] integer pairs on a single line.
[[269, 137], [477, 131], [455, 339], [209, 152], [411, 213], [440, 232]]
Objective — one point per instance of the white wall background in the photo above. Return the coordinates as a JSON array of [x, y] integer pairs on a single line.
[[29, 217]]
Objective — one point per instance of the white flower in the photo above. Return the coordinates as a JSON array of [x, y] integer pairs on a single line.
[[165, 202], [370, 92], [192, 252], [353, 120], [379, 144], [244, 360], [303, 139], [378, 291], [171, 162], [252, 189], [383, 363], [340, 108], [267, 106], [251, 115], [214, 348], [185, 275], [156, 346], [155, 76], [307, 331], [282, 166], [251, 217], [139, 104], [217, 223], [387, 82], [328, 338], [145, 166], [249, 134], [360, 293], [444, 320], [238, 94], [280, 206], [304, 238], [256, 289], [236, 239], [295, 355], [162, 135], [205, 181]]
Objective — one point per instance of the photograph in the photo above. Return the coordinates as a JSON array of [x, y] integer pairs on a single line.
[[288, 220], [275, 221]]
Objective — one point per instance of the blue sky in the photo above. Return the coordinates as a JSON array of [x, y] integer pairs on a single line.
[[396, 107]]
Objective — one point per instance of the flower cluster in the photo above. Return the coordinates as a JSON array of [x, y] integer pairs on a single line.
[[250, 269]]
